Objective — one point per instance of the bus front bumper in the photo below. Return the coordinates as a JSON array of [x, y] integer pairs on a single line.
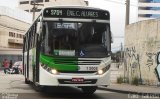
[[68, 79]]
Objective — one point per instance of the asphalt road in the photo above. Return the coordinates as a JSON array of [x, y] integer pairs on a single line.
[[12, 86], [65, 93]]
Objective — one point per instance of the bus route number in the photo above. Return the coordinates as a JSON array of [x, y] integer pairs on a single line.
[[56, 12], [92, 68]]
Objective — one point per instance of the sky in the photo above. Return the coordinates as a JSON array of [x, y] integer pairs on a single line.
[[9, 3], [117, 12]]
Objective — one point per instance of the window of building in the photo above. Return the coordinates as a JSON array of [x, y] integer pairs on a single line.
[[153, 1], [20, 35], [24, 2], [36, 10], [26, 10], [37, 1], [46, 0], [11, 34]]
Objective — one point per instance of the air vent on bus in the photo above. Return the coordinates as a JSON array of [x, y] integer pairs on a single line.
[[77, 61]]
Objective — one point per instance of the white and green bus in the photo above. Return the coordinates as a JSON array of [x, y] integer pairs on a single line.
[[68, 46]]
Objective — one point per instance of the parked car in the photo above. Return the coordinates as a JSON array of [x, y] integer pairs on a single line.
[[18, 67]]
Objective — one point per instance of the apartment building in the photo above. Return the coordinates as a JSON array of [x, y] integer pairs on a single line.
[[27, 5], [13, 25], [148, 9]]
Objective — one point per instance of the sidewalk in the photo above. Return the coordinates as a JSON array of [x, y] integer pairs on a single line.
[[126, 88]]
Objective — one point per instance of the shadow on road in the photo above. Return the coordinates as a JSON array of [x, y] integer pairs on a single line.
[[66, 92]]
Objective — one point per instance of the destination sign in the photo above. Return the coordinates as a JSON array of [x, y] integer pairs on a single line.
[[76, 13]]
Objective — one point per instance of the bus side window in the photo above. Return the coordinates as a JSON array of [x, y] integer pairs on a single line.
[[29, 39], [26, 47], [38, 28], [108, 38], [43, 31], [34, 36], [24, 44]]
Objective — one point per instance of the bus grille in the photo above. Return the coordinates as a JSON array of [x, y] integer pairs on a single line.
[[69, 81], [71, 61]]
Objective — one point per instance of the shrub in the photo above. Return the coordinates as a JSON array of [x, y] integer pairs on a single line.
[[119, 80], [135, 81]]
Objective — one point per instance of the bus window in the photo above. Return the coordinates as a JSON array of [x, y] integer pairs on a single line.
[[76, 36]]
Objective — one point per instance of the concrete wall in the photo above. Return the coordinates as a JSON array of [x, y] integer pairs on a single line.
[[142, 41]]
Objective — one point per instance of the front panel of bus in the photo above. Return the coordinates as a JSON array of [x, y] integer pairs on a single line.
[[75, 52]]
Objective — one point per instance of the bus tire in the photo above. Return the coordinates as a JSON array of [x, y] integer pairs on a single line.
[[89, 90], [27, 81], [38, 88]]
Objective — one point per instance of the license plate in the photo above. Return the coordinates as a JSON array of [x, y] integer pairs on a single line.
[[77, 80]]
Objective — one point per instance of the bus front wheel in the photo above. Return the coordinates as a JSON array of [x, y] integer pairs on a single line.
[[89, 89]]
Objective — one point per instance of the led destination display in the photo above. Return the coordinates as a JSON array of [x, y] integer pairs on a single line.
[[76, 13]]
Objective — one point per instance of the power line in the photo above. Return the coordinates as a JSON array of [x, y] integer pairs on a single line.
[[115, 2], [123, 2], [118, 36]]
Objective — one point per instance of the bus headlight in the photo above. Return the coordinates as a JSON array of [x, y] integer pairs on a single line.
[[102, 71], [54, 71], [50, 70]]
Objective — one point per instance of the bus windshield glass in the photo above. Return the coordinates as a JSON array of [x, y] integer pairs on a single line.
[[76, 39]]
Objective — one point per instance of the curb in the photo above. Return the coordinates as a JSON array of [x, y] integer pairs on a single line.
[[126, 92]]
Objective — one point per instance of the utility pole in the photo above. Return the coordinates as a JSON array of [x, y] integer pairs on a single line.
[[127, 11], [121, 53], [35, 6], [126, 23]]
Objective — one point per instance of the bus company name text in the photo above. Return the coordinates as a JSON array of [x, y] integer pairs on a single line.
[[75, 13]]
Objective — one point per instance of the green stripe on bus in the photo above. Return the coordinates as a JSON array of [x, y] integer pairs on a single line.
[[61, 64]]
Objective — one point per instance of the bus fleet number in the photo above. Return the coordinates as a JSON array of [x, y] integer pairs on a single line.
[[56, 12], [92, 68]]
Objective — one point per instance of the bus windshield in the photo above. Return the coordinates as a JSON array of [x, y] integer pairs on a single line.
[[75, 39]]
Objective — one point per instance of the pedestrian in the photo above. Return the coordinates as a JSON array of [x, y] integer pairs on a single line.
[[10, 64], [5, 64]]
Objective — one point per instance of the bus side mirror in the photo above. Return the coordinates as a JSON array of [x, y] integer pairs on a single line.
[[158, 58]]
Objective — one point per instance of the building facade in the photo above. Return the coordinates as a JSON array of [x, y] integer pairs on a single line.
[[27, 5], [148, 9], [142, 42], [13, 25]]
